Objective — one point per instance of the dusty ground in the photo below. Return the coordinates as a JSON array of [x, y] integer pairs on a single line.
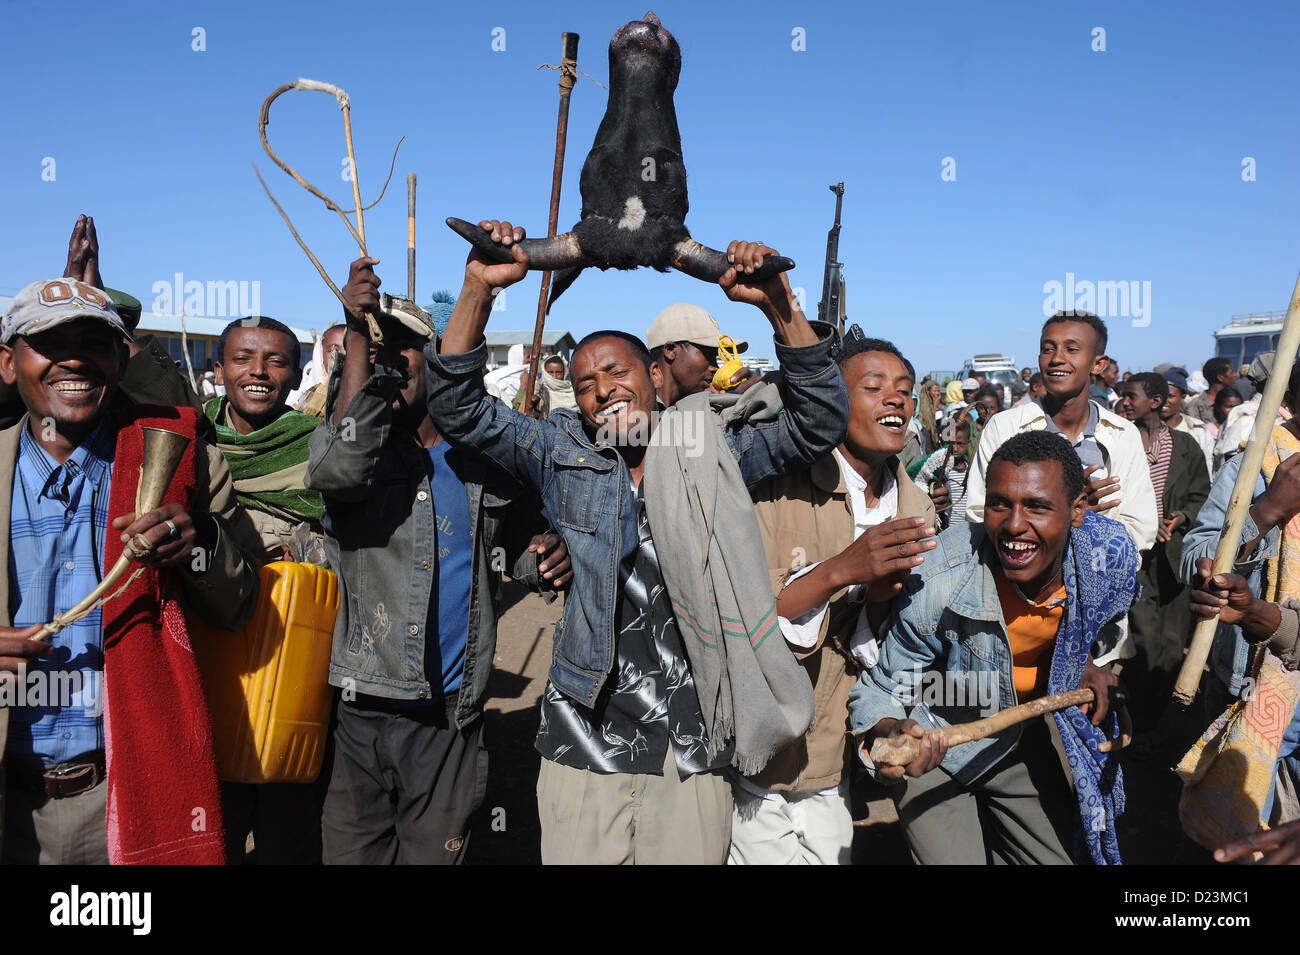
[[507, 830]]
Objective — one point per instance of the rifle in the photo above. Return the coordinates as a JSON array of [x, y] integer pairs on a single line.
[[831, 307]]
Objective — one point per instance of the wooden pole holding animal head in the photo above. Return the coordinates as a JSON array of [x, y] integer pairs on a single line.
[[568, 76]]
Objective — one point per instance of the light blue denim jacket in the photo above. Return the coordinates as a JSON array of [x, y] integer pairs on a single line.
[[587, 490], [947, 622], [1230, 654]]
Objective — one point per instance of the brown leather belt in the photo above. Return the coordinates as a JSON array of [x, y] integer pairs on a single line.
[[71, 778]]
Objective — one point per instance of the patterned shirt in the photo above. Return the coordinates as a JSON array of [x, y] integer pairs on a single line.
[[649, 699], [58, 520], [1158, 460]]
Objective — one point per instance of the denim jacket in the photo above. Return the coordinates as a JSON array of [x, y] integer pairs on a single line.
[[588, 492], [1230, 655], [380, 534], [945, 656]]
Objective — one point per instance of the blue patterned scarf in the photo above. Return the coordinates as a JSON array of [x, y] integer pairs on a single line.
[[1101, 582]]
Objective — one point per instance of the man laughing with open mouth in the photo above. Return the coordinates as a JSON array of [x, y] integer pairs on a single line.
[[1024, 601]]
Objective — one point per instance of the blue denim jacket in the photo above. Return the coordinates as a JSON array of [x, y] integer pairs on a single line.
[[588, 492], [945, 653], [381, 535], [1230, 654]]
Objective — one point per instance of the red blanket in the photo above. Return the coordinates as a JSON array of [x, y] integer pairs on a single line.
[[164, 805]]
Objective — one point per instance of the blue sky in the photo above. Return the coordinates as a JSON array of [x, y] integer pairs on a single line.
[[1122, 165]]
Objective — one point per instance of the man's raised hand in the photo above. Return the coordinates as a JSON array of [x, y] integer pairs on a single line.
[[493, 276], [83, 253]]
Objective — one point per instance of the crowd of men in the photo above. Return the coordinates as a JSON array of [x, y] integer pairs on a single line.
[[767, 582]]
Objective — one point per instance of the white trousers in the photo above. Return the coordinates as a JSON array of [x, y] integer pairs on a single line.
[[786, 828]]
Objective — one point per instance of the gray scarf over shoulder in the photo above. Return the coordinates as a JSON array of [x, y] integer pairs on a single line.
[[711, 555]]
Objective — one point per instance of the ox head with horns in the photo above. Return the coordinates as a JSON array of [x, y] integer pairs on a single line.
[[634, 182]]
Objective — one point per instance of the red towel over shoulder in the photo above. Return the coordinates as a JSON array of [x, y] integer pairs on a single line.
[[164, 805]]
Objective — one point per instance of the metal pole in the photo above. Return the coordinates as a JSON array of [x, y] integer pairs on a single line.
[[568, 75]]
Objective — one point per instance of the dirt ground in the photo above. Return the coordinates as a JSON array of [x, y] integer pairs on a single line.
[[507, 830]]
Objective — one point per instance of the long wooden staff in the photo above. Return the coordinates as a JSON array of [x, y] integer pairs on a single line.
[[568, 76], [901, 750], [1225, 555]]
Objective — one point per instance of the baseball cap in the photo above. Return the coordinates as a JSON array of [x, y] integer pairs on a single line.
[[1176, 375], [48, 303], [970, 384], [682, 322], [409, 315]]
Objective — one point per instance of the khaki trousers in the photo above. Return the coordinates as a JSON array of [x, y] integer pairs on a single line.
[[633, 818], [40, 830]]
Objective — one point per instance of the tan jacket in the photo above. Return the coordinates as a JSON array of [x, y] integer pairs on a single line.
[[805, 517], [226, 595]]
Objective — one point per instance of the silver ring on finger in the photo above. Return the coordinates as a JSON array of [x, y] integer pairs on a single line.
[[173, 532]]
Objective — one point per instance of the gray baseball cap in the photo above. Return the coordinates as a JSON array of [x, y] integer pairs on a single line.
[[43, 305]]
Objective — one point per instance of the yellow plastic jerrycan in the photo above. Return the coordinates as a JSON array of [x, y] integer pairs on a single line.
[[728, 363], [267, 685]]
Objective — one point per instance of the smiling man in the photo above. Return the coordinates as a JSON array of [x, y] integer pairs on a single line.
[[1007, 610], [840, 538], [683, 343], [1071, 350], [649, 697], [80, 787], [419, 532], [264, 440], [266, 446]]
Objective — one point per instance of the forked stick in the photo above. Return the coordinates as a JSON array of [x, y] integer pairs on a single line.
[[359, 231], [901, 750]]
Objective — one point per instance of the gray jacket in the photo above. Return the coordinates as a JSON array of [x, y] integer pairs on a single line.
[[380, 534]]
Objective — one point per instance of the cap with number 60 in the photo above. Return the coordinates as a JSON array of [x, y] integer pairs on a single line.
[[50, 302]]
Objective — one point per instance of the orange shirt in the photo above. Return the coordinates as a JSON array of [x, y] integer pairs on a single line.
[[1031, 630]]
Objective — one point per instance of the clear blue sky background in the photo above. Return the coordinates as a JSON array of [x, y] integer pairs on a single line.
[[1116, 165]]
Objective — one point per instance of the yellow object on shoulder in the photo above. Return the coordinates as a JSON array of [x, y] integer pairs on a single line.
[[728, 367]]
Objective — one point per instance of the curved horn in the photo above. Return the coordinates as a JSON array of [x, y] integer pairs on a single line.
[[701, 262], [544, 255]]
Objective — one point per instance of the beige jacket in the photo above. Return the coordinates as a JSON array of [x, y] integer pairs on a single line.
[[805, 517], [226, 595]]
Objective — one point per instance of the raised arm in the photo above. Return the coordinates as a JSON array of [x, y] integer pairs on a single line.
[[459, 405]]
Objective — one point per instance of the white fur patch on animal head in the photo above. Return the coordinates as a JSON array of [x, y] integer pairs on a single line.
[[633, 214]]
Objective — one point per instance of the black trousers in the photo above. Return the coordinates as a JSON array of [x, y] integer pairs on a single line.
[[404, 787]]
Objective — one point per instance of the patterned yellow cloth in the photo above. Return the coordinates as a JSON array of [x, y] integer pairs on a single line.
[[1228, 773]]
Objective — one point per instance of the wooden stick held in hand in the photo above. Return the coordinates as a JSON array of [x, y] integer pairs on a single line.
[[1225, 555], [901, 750]]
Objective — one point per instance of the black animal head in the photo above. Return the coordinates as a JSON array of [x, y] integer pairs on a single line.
[[634, 198]]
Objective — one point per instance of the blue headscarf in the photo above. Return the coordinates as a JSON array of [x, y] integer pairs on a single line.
[[1100, 570]]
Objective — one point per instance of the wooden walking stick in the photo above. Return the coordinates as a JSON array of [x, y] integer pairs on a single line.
[[1225, 555], [568, 76], [901, 750]]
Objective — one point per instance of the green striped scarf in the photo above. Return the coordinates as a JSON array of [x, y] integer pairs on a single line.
[[269, 465]]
